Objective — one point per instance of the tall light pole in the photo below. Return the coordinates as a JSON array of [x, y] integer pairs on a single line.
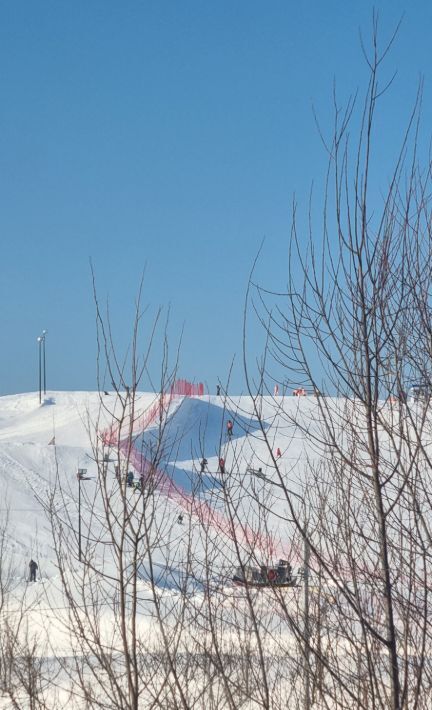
[[44, 332], [81, 476], [307, 688], [40, 368], [306, 563], [41, 341]]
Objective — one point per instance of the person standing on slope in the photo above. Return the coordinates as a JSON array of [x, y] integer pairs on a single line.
[[222, 465], [203, 465], [230, 428], [33, 567]]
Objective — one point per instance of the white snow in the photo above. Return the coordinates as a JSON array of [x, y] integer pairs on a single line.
[[30, 466]]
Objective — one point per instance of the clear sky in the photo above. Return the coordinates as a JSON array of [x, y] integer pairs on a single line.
[[169, 136]]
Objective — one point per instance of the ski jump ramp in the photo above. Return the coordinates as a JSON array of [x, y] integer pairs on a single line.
[[185, 428]]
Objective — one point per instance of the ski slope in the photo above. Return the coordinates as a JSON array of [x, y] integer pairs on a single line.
[[43, 445], [195, 428]]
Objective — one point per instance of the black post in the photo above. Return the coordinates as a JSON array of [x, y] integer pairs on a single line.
[[306, 628], [44, 365], [307, 699], [79, 518], [40, 370]]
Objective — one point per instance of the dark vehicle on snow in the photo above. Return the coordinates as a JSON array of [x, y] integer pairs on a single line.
[[278, 576]]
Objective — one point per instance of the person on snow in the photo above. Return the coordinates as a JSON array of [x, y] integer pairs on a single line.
[[130, 479], [222, 465], [33, 567], [278, 453], [230, 428], [217, 390], [180, 519], [203, 464]]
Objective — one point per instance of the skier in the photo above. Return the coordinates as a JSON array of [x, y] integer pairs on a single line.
[[229, 428], [278, 453], [217, 390], [130, 479], [203, 464], [222, 465], [33, 567], [180, 519]]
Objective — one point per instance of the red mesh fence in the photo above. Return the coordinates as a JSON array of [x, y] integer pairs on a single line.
[[184, 388], [188, 389], [244, 535], [193, 505]]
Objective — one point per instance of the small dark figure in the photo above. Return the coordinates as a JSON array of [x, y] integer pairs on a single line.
[[218, 390], [180, 519], [33, 567], [222, 465], [105, 392], [278, 453], [203, 464], [230, 428], [284, 572], [130, 479]]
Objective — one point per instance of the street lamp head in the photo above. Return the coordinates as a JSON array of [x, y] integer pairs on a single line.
[[39, 338]]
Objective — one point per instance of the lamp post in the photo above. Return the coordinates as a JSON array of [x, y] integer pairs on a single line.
[[306, 559], [40, 368], [44, 332], [81, 476], [42, 359]]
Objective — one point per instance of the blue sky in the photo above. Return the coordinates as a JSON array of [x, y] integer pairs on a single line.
[[170, 137]]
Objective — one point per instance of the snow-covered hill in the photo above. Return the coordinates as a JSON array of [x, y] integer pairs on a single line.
[[40, 444]]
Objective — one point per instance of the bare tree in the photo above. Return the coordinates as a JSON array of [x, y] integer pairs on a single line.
[[354, 323], [27, 677]]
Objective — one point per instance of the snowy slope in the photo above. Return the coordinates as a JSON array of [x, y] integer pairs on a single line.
[[196, 427], [30, 467]]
